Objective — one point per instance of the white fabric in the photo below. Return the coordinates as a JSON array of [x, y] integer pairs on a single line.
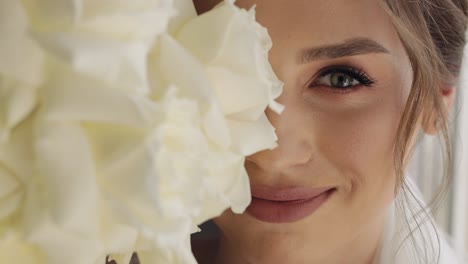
[[422, 246]]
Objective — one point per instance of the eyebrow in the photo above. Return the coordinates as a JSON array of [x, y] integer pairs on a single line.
[[350, 47]]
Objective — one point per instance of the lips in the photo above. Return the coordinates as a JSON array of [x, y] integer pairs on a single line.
[[285, 205]]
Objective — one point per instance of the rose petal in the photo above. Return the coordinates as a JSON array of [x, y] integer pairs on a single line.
[[247, 55], [20, 57], [185, 11], [75, 97], [237, 93], [248, 139], [70, 183], [106, 39], [14, 250], [17, 101], [21, 63], [181, 69]]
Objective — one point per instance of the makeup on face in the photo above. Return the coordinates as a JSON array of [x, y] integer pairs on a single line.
[[286, 204]]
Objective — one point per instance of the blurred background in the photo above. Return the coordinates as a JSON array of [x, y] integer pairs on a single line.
[[426, 169]]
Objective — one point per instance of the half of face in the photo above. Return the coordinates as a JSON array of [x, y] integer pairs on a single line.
[[347, 79]]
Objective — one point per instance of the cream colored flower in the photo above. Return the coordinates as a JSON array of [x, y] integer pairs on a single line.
[[234, 52], [130, 174], [108, 39], [71, 212], [107, 170], [220, 168], [180, 179], [14, 250], [111, 162], [21, 63], [14, 177], [232, 85], [14, 174]]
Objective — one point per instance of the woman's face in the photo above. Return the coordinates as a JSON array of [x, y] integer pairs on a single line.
[[346, 81]]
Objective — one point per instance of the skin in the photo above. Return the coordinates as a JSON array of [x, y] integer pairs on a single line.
[[326, 138]]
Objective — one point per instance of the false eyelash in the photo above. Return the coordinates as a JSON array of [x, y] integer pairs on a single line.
[[356, 73]]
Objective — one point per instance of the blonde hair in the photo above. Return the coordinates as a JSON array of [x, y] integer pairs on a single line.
[[434, 36]]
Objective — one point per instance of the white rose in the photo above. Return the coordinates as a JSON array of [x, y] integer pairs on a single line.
[[238, 87], [14, 179], [21, 63], [107, 171], [233, 48], [14, 174], [117, 163], [14, 250], [148, 168], [107, 38], [70, 210], [225, 181]]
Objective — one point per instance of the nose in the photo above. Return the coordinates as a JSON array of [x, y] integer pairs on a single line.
[[294, 142]]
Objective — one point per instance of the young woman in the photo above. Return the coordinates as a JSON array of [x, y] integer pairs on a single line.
[[361, 79]]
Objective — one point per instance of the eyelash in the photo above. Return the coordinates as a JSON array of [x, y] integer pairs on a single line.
[[355, 73]]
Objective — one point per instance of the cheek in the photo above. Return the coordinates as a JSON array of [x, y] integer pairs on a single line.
[[360, 147], [360, 143], [359, 140]]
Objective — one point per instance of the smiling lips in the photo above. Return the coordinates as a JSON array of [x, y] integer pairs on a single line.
[[285, 205]]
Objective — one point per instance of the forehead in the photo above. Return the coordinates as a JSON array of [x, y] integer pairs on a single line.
[[298, 24]]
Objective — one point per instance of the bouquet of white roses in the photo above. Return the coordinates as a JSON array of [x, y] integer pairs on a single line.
[[124, 124]]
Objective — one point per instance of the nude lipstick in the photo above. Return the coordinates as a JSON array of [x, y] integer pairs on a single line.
[[286, 204]]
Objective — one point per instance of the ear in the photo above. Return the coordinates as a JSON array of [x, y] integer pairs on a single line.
[[430, 123]]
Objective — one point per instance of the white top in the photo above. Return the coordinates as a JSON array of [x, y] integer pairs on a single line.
[[426, 238]]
